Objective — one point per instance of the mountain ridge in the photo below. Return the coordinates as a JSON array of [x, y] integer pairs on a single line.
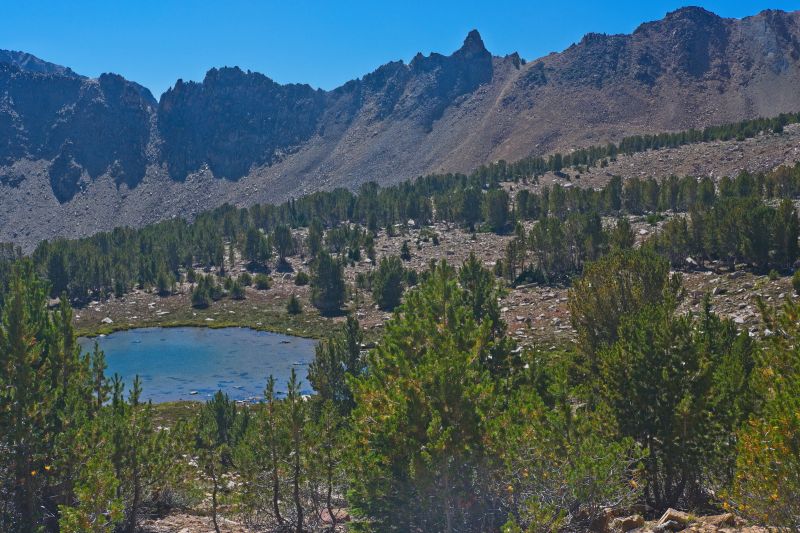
[[244, 138]]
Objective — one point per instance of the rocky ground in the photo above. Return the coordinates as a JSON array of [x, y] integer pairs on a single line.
[[714, 159], [535, 314], [612, 521], [190, 523], [619, 521]]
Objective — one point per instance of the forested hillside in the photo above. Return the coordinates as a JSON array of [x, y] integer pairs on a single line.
[[726, 221], [446, 425]]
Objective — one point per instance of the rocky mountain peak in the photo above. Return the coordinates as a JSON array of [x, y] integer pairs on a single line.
[[692, 13], [694, 20], [473, 45]]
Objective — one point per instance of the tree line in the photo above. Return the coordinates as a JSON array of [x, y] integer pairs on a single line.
[[345, 224], [530, 168]]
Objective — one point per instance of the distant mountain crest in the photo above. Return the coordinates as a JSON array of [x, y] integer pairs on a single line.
[[251, 139], [30, 63]]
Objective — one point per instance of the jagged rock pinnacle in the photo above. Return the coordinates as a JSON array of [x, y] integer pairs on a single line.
[[473, 43]]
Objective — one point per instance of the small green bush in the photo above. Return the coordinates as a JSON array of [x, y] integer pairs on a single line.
[[301, 279], [164, 283], [293, 306], [405, 252], [261, 282], [237, 291], [654, 218]]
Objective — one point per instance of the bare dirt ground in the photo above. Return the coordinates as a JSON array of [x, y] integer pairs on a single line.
[[190, 523]]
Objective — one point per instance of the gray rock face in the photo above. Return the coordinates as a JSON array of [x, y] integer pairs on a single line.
[[67, 142], [84, 126], [234, 120]]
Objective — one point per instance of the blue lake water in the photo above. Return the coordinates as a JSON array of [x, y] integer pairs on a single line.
[[193, 363]]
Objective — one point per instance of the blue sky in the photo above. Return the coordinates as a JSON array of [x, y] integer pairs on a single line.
[[322, 43]]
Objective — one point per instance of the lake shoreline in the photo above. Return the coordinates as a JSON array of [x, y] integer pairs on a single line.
[[260, 311], [109, 329]]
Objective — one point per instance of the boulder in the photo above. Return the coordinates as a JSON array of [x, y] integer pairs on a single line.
[[619, 518], [626, 523], [603, 521], [719, 520], [339, 515], [679, 518], [669, 525]]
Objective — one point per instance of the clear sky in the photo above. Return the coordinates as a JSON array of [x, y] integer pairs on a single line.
[[323, 43]]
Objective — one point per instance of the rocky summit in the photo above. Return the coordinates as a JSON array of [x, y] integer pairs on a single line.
[[80, 155]]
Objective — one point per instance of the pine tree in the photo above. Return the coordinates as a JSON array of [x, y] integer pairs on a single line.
[[387, 283], [418, 426], [99, 509], [683, 419], [165, 283], [273, 439], [326, 454], [202, 294], [471, 207], [786, 230], [33, 376], [261, 458], [767, 464], [237, 291], [293, 306], [405, 252], [327, 284], [219, 428], [256, 246], [336, 361], [296, 422], [621, 237], [496, 209], [283, 242], [616, 286], [314, 239], [261, 282], [76, 461]]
